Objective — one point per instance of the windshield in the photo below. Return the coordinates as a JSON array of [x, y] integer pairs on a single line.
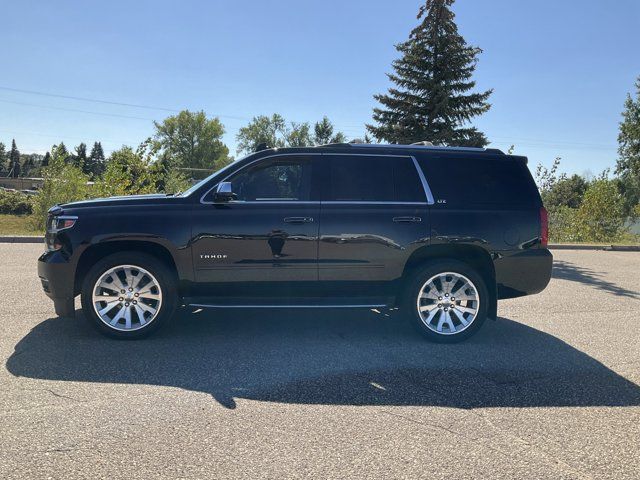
[[195, 187]]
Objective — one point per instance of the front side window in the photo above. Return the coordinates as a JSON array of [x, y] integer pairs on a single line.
[[281, 180]]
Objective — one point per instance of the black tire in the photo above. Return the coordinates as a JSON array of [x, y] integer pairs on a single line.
[[415, 284], [165, 278]]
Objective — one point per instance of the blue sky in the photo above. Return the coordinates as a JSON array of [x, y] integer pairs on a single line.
[[560, 69]]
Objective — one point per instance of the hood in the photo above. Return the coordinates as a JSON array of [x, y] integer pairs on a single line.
[[149, 199]]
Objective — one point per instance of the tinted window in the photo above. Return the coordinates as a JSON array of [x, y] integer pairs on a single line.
[[373, 179], [479, 180], [406, 182], [282, 180]]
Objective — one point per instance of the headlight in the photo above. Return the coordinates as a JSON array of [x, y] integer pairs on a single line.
[[62, 222], [57, 224]]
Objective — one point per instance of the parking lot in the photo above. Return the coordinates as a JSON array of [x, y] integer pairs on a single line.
[[550, 390]]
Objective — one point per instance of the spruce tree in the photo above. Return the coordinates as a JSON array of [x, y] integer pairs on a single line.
[[323, 133], [95, 164], [432, 98], [3, 156], [27, 165], [46, 160], [60, 152], [80, 157], [14, 160]]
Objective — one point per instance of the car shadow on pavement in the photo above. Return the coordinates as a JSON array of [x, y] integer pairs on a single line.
[[575, 273], [328, 357]]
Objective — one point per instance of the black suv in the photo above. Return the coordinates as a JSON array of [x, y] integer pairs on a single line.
[[441, 233]]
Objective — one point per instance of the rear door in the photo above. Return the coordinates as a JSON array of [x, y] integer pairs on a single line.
[[490, 201], [373, 215]]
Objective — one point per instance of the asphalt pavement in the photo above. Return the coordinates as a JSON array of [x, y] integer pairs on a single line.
[[549, 390]]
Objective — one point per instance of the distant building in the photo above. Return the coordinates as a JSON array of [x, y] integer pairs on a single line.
[[21, 183]]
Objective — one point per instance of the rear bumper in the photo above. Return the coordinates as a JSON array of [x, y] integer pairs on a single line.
[[57, 279], [523, 273]]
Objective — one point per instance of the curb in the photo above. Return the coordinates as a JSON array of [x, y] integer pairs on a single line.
[[623, 248], [20, 239], [608, 248]]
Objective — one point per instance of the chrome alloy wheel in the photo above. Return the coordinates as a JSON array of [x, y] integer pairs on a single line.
[[448, 303], [127, 298]]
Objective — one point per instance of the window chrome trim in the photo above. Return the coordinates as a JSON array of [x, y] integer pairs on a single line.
[[423, 180], [425, 184], [369, 202]]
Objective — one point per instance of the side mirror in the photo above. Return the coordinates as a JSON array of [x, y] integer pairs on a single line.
[[224, 193]]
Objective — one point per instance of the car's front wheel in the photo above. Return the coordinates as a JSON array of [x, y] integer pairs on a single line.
[[447, 301], [128, 295]]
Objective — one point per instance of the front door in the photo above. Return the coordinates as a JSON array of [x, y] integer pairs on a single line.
[[268, 234]]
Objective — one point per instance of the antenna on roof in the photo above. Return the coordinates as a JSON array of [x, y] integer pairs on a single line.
[[423, 143]]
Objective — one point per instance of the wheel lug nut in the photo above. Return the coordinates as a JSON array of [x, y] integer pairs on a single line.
[[439, 298], [120, 299], [121, 291], [135, 302], [446, 294], [126, 304], [131, 289], [136, 294], [439, 305]]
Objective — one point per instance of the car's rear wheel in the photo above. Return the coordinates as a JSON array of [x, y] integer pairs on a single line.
[[447, 301], [129, 295]]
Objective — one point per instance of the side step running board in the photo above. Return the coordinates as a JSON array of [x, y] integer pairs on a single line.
[[301, 302], [204, 305]]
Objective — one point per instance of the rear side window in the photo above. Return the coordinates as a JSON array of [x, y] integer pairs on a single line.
[[479, 181], [360, 178]]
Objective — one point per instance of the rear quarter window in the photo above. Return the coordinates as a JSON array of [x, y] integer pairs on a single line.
[[480, 181]]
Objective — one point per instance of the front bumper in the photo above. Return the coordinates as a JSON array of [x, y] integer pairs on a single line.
[[523, 273], [57, 278]]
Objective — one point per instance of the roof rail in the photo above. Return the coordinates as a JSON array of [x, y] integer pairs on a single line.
[[418, 145]]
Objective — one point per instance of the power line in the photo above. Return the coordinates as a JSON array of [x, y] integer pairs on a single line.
[[83, 139], [86, 99], [77, 110], [107, 102], [130, 105]]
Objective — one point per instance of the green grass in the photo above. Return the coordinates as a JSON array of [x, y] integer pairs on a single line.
[[17, 225]]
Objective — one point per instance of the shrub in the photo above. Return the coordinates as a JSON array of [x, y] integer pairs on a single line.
[[15, 203], [63, 183], [600, 217], [562, 228], [127, 173]]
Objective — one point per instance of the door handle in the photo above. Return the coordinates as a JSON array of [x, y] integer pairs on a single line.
[[407, 219], [298, 219]]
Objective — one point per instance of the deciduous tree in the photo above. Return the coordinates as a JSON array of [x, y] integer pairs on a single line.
[[629, 136], [190, 140]]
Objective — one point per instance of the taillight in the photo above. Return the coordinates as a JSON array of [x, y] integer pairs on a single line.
[[544, 227]]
